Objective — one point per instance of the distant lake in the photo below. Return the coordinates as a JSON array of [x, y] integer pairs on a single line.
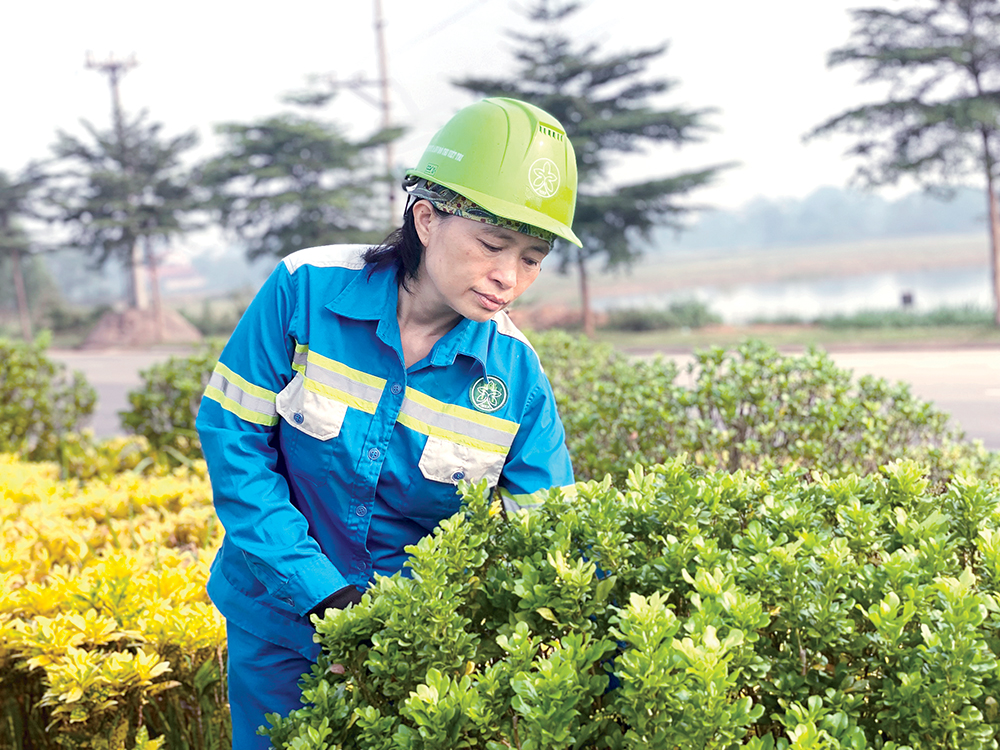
[[810, 298]]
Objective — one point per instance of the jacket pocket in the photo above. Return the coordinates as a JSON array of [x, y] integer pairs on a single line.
[[308, 412], [449, 462]]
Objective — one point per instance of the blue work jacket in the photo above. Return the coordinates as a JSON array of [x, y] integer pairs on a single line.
[[327, 456]]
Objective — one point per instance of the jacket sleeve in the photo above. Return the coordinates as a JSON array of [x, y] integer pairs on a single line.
[[538, 458], [238, 427]]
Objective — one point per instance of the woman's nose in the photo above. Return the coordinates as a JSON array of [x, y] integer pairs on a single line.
[[504, 271]]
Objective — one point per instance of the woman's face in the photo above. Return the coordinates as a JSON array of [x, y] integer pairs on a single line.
[[474, 269]]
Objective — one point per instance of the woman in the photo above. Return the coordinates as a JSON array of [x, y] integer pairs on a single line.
[[362, 385]]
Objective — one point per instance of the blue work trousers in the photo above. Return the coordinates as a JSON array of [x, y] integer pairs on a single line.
[[263, 679]]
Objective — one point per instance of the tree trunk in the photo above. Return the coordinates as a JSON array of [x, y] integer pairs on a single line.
[[154, 286], [994, 246], [994, 219], [138, 297], [588, 318], [24, 313]]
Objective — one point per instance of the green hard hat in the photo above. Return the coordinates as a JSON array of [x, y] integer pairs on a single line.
[[509, 157]]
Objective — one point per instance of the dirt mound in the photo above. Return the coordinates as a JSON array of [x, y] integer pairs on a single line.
[[141, 328], [545, 316]]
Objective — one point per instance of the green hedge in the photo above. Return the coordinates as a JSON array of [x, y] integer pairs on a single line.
[[164, 409], [687, 610], [752, 408], [40, 403]]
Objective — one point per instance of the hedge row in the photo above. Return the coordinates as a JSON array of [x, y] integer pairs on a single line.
[[805, 561], [751, 408], [687, 610], [107, 638]]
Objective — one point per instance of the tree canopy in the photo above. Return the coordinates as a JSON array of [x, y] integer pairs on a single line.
[[114, 188], [289, 181], [15, 244], [605, 101], [938, 124]]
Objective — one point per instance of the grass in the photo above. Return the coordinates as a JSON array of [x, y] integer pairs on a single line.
[[802, 336]]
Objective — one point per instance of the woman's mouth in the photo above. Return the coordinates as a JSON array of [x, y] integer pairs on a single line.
[[490, 302]]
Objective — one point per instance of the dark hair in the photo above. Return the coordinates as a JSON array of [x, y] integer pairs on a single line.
[[402, 249]]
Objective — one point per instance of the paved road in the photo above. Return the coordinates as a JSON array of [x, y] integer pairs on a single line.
[[962, 382], [112, 373]]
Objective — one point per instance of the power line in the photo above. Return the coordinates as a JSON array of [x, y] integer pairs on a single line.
[[453, 18]]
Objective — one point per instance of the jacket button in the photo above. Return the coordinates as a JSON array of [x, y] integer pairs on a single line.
[[458, 475], [373, 454], [361, 510], [396, 388], [299, 419]]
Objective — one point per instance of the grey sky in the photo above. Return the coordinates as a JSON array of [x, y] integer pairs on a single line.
[[762, 64]]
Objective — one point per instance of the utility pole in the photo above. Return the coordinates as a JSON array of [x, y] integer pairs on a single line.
[[383, 76], [115, 69], [360, 83]]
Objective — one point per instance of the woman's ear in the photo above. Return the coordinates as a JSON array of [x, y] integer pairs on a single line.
[[423, 219]]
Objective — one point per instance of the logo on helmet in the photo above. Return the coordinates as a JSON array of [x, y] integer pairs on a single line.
[[543, 177]]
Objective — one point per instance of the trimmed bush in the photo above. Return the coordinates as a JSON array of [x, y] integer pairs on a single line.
[[107, 636], [686, 314], [40, 404], [752, 409], [165, 408], [687, 610]]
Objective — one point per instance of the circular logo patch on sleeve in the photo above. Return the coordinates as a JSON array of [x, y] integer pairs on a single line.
[[488, 394]]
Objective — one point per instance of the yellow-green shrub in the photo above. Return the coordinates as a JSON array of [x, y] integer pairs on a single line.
[[106, 634]]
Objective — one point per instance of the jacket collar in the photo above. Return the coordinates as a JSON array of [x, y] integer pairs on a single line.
[[374, 294]]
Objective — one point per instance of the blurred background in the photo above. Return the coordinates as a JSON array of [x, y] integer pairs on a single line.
[[746, 168]]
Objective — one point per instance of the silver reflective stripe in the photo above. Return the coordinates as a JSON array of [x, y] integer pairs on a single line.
[[240, 397], [455, 424], [513, 503], [362, 391], [327, 256]]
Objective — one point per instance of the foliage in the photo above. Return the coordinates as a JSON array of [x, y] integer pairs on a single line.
[[688, 609], [288, 181], [218, 317], [117, 188], [685, 314], [106, 633], [942, 316], [39, 403], [939, 123], [163, 411], [752, 409], [604, 101], [16, 263]]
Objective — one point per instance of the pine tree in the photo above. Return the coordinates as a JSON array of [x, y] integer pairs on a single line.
[[605, 104], [15, 245], [121, 191], [289, 181], [939, 123]]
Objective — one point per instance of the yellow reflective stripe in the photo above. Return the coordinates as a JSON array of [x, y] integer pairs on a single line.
[[347, 372], [427, 429], [338, 395], [538, 496], [238, 409], [461, 412], [299, 358], [243, 384]]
